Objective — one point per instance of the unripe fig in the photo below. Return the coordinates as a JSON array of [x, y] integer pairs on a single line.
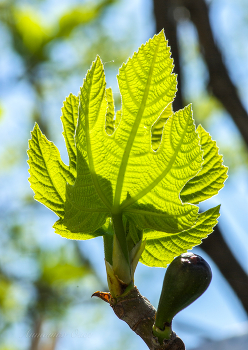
[[185, 280]]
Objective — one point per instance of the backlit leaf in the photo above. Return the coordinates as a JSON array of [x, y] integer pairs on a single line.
[[212, 176], [142, 170], [161, 248], [48, 174]]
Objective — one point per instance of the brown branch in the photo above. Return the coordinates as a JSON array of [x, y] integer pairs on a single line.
[[36, 332], [139, 314], [220, 82], [51, 345]]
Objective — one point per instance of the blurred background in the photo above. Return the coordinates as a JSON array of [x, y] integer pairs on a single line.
[[46, 47]]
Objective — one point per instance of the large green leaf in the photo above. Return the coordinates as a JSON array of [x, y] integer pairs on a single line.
[[120, 172], [146, 165]]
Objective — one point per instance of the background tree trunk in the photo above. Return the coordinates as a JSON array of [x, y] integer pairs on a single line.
[[224, 90]]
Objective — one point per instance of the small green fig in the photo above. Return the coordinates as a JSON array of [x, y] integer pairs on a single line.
[[185, 280]]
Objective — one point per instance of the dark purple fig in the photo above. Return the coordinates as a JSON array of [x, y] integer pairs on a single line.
[[185, 280]]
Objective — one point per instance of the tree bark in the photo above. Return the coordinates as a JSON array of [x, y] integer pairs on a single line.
[[36, 332]]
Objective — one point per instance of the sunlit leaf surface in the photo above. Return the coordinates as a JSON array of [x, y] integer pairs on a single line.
[[147, 163]]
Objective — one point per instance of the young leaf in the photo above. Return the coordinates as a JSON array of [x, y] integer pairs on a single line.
[[161, 248], [147, 166], [120, 172]]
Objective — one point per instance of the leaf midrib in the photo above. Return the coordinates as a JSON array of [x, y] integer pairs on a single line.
[[128, 148]]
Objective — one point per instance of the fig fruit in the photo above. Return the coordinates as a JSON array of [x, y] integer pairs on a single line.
[[185, 280]]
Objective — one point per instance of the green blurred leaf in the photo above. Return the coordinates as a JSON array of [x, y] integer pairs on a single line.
[[62, 273], [34, 35], [80, 15]]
